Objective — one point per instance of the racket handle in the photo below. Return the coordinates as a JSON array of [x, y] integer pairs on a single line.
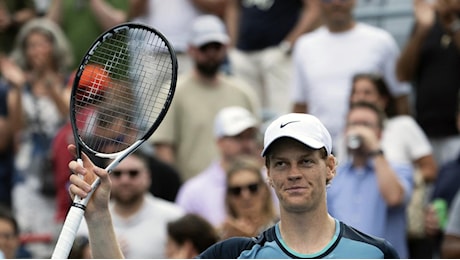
[[68, 233]]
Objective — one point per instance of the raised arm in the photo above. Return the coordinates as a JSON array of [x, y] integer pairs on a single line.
[[102, 237], [425, 16]]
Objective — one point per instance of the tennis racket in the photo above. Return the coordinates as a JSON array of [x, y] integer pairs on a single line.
[[122, 90]]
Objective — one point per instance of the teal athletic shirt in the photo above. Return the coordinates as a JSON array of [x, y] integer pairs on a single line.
[[346, 243]]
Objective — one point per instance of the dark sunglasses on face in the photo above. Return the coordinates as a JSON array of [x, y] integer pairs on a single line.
[[132, 173], [236, 190]]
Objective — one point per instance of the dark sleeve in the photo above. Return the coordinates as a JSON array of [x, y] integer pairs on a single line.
[[228, 249]]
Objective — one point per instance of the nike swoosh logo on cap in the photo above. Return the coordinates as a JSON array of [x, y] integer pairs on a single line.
[[285, 124]]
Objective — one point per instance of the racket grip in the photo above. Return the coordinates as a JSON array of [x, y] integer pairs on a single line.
[[68, 233]]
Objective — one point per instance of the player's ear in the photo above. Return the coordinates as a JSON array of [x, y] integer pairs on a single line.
[[331, 165]]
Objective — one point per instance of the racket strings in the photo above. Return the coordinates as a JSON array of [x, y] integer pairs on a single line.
[[129, 81]]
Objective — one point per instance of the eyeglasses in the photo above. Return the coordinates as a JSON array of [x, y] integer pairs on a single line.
[[236, 190], [132, 173]]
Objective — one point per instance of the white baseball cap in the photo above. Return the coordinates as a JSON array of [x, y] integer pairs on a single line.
[[304, 128], [207, 29], [231, 121]]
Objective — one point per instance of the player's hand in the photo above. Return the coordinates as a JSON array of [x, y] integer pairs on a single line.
[[80, 183]]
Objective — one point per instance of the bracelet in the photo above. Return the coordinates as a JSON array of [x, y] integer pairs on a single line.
[[375, 153]]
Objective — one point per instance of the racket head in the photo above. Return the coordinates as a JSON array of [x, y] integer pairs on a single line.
[[122, 89]]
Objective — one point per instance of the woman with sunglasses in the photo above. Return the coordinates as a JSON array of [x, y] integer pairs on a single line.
[[248, 201]]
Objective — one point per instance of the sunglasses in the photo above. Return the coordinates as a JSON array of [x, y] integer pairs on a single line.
[[132, 173], [236, 190]]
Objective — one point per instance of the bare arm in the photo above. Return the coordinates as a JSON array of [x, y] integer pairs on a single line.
[[232, 13], [54, 11], [106, 15], [409, 58], [17, 79], [102, 236], [308, 20], [389, 185], [216, 7], [428, 168]]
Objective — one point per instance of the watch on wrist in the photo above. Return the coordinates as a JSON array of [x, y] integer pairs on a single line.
[[375, 153]]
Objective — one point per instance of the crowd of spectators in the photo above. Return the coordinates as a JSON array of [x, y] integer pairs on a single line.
[[241, 64]]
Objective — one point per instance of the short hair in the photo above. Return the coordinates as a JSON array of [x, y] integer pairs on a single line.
[[194, 228]]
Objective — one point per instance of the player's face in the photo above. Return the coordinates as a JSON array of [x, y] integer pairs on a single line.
[[299, 175], [130, 180]]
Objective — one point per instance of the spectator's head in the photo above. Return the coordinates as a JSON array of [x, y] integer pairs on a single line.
[[131, 178], [372, 88], [9, 233], [40, 43], [247, 194], [208, 44], [236, 131], [188, 236], [338, 14]]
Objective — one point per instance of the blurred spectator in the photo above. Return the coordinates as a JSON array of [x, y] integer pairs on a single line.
[[80, 248], [137, 215], [10, 244], [430, 60], [402, 141], [163, 15], [235, 132], [369, 192], [84, 21], [249, 204], [326, 59], [39, 63], [188, 236], [446, 186], [13, 15], [10, 125], [185, 137], [451, 242], [262, 34]]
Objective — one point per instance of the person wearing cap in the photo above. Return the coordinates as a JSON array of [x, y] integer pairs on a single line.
[[371, 192], [297, 151], [185, 137], [235, 133]]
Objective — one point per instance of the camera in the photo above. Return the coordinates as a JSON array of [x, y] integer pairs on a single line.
[[354, 142]]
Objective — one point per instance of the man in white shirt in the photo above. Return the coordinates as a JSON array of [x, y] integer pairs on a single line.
[[326, 59]]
